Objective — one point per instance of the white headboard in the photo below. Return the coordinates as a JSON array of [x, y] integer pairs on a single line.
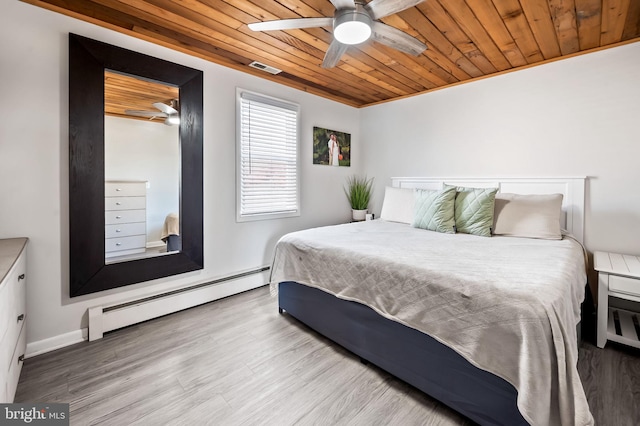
[[572, 189]]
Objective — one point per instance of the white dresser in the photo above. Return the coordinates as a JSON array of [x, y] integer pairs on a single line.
[[13, 283], [125, 218]]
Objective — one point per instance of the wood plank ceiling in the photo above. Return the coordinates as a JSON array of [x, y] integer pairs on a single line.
[[466, 39], [122, 92]]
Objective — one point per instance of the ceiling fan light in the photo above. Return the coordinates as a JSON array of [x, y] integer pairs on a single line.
[[352, 32], [173, 119], [352, 26]]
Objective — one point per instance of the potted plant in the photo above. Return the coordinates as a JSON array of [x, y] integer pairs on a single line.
[[358, 191]]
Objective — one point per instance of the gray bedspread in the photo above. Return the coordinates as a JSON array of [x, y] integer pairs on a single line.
[[508, 305]]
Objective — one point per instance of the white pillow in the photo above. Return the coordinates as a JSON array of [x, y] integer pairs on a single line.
[[398, 205], [530, 216]]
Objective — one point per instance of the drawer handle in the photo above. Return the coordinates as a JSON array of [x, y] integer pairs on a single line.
[[20, 277], [118, 189], [118, 217], [21, 358], [118, 244], [20, 317], [118, 204], [118, 230]]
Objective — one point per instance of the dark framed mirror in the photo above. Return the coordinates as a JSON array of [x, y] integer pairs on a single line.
[[89, 272]]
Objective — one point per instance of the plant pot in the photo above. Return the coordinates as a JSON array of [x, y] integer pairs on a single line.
[[358, 215]]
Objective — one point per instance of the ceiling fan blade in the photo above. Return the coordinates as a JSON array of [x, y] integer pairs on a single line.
[[378, 9], [145, 113], [343, 4], [334, 53], [165, 108], [393, 37], [291, 24]]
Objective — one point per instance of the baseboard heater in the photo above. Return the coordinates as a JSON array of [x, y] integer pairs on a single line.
[[107, 318]]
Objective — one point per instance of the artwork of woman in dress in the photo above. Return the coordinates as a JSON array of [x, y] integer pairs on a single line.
[[334, 150], [331, 147]]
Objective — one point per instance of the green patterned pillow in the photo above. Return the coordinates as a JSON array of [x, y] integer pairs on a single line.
[[434, 210], [474, 210]]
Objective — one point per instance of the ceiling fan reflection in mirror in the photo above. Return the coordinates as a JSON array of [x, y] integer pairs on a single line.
[[354, 22], [169, 113]]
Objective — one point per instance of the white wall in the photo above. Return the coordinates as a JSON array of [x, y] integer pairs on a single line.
[[34, 165], [149, 151], [575, 117]]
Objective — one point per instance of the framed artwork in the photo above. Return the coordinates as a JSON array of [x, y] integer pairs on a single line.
[[331, 147]]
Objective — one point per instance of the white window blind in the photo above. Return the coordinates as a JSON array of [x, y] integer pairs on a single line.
[[268, 157]]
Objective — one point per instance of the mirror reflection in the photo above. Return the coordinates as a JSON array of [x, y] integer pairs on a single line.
[[142, 168]]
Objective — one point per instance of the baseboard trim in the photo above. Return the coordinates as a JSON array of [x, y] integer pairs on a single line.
[[131, 314], [56, 342], [154, 244], [103, 319]]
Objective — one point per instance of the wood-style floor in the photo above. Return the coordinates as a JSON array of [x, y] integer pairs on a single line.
[[237, 361]]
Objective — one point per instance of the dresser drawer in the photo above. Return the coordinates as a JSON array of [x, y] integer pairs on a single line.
[[16, 364], [13, 301], [9, 344], [18, 313], [6, 352], [124, 216], [125, 230], [5, 308], [125, 203], [624, 285], [125, 243], [125, 189]]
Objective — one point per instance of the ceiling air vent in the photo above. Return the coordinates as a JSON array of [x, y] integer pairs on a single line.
[[263, 67]]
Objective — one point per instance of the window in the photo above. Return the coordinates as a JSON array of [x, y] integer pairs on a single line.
[[267, 155]]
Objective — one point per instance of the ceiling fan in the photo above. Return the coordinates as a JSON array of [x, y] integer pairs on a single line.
[[354, 22], [169, 113]]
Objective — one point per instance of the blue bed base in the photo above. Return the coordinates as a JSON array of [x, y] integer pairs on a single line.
[[408, 354]]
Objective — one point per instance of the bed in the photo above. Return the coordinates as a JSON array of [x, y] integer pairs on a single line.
[[485, 325], [171, 232]]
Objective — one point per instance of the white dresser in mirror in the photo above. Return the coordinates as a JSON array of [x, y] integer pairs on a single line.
[[13, 289], [125, 218]]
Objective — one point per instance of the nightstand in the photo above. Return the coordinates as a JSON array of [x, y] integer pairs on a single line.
[[618, 276]]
